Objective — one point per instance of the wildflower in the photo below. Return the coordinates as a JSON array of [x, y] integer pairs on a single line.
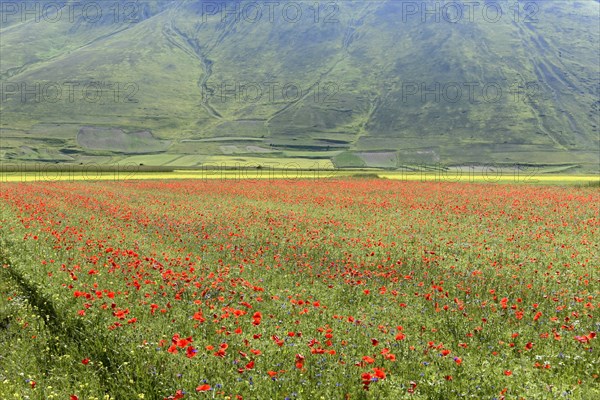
[[203, 388], [379, 373], [368, 360], [190, 352]]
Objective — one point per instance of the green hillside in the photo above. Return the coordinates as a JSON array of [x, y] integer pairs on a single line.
[[381, 84]]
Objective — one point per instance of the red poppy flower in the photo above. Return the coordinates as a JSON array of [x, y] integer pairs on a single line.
[[203, 388], [191, 352], [368, 360], [379, 373]]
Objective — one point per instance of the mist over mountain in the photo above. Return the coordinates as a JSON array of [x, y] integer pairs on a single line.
[[350, 83]]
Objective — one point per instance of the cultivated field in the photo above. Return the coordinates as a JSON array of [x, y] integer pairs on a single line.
[[298, 289]]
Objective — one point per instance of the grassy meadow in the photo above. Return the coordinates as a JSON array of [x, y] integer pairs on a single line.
[[298, 289]]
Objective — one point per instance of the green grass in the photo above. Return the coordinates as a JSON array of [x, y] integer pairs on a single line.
[[348, 160]]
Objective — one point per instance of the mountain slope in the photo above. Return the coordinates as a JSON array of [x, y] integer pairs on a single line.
[[361, 83]]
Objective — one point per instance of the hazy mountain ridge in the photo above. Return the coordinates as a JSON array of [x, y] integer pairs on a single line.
[[353, 77]]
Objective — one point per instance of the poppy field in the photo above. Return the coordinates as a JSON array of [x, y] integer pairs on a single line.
[[305, 289]]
